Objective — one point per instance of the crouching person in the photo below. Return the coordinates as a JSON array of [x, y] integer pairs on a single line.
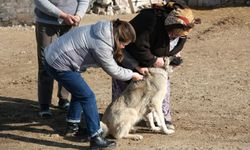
[[161, 32], [100, 44]]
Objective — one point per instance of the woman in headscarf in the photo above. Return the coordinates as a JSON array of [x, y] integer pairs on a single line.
[[160, 32]]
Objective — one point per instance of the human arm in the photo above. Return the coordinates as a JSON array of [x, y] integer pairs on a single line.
[[104, 57], [159, 62], [48, 8], [129, 62], [176, 52], [142, 70], [141, 51], [51, 9], [144, 24], [179, 46], [81, 10]]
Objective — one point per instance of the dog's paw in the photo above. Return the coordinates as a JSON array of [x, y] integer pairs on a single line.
[[156, 129], [170, 126], [137, 137], [133, 130], [168, 131]]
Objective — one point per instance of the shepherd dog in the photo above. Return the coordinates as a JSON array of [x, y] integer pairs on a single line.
[[140, 100]]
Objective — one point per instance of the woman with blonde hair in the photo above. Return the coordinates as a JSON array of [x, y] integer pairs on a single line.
[[97, 45]]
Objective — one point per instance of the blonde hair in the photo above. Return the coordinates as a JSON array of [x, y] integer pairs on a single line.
[[123, 33]]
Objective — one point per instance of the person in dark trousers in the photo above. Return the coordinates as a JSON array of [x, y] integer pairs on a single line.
[[161, 31], [53, 19], [97, 45]]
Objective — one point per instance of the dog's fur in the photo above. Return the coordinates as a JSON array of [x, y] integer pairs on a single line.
[[138, 101]]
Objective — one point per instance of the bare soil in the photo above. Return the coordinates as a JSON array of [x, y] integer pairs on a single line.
[[210, 92]]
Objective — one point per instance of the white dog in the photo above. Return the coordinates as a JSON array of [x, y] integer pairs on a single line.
[[138, 101]]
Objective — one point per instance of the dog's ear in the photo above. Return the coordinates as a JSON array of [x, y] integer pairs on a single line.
[[171, 58], [147, 74], [167, 61]]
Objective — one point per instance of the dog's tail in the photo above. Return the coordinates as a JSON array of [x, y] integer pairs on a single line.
[[105, 129]]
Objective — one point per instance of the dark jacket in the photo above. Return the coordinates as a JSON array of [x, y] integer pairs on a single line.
[[151, 38]]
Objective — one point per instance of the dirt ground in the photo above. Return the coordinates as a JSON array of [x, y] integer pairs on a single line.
[[210, 92]]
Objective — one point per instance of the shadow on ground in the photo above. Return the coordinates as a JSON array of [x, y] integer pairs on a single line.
[[21, 115]]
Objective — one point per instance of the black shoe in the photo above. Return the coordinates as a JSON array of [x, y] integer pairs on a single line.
[[63, 104], [82, 132], [45, 112], [98, 141], [74, 130], [71, 129]]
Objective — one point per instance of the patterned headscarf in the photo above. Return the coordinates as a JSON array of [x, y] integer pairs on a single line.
[[180, 16]]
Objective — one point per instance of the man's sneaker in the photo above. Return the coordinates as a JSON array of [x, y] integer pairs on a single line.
[[45, 114], [169, 125], [63, 104]]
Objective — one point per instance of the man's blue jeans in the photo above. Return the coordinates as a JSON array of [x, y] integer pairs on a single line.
[[82, 99]]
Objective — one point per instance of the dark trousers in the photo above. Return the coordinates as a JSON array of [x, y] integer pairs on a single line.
[[46, 34]]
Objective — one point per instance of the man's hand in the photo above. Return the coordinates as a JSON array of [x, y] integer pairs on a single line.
[[69, 19], [77, 20]]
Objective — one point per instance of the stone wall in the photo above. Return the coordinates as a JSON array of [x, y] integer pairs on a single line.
[[16, 12], [215, 3]]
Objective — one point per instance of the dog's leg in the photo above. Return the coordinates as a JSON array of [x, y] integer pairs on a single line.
[[133, 129], [156, 119], [123, 131], [150, 120], [104, 128], [158, 110], [136, 137], [127, 135]]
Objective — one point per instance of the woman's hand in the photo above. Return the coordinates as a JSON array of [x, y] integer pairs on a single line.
[[142, 70], [136, 76], [159, 63]]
